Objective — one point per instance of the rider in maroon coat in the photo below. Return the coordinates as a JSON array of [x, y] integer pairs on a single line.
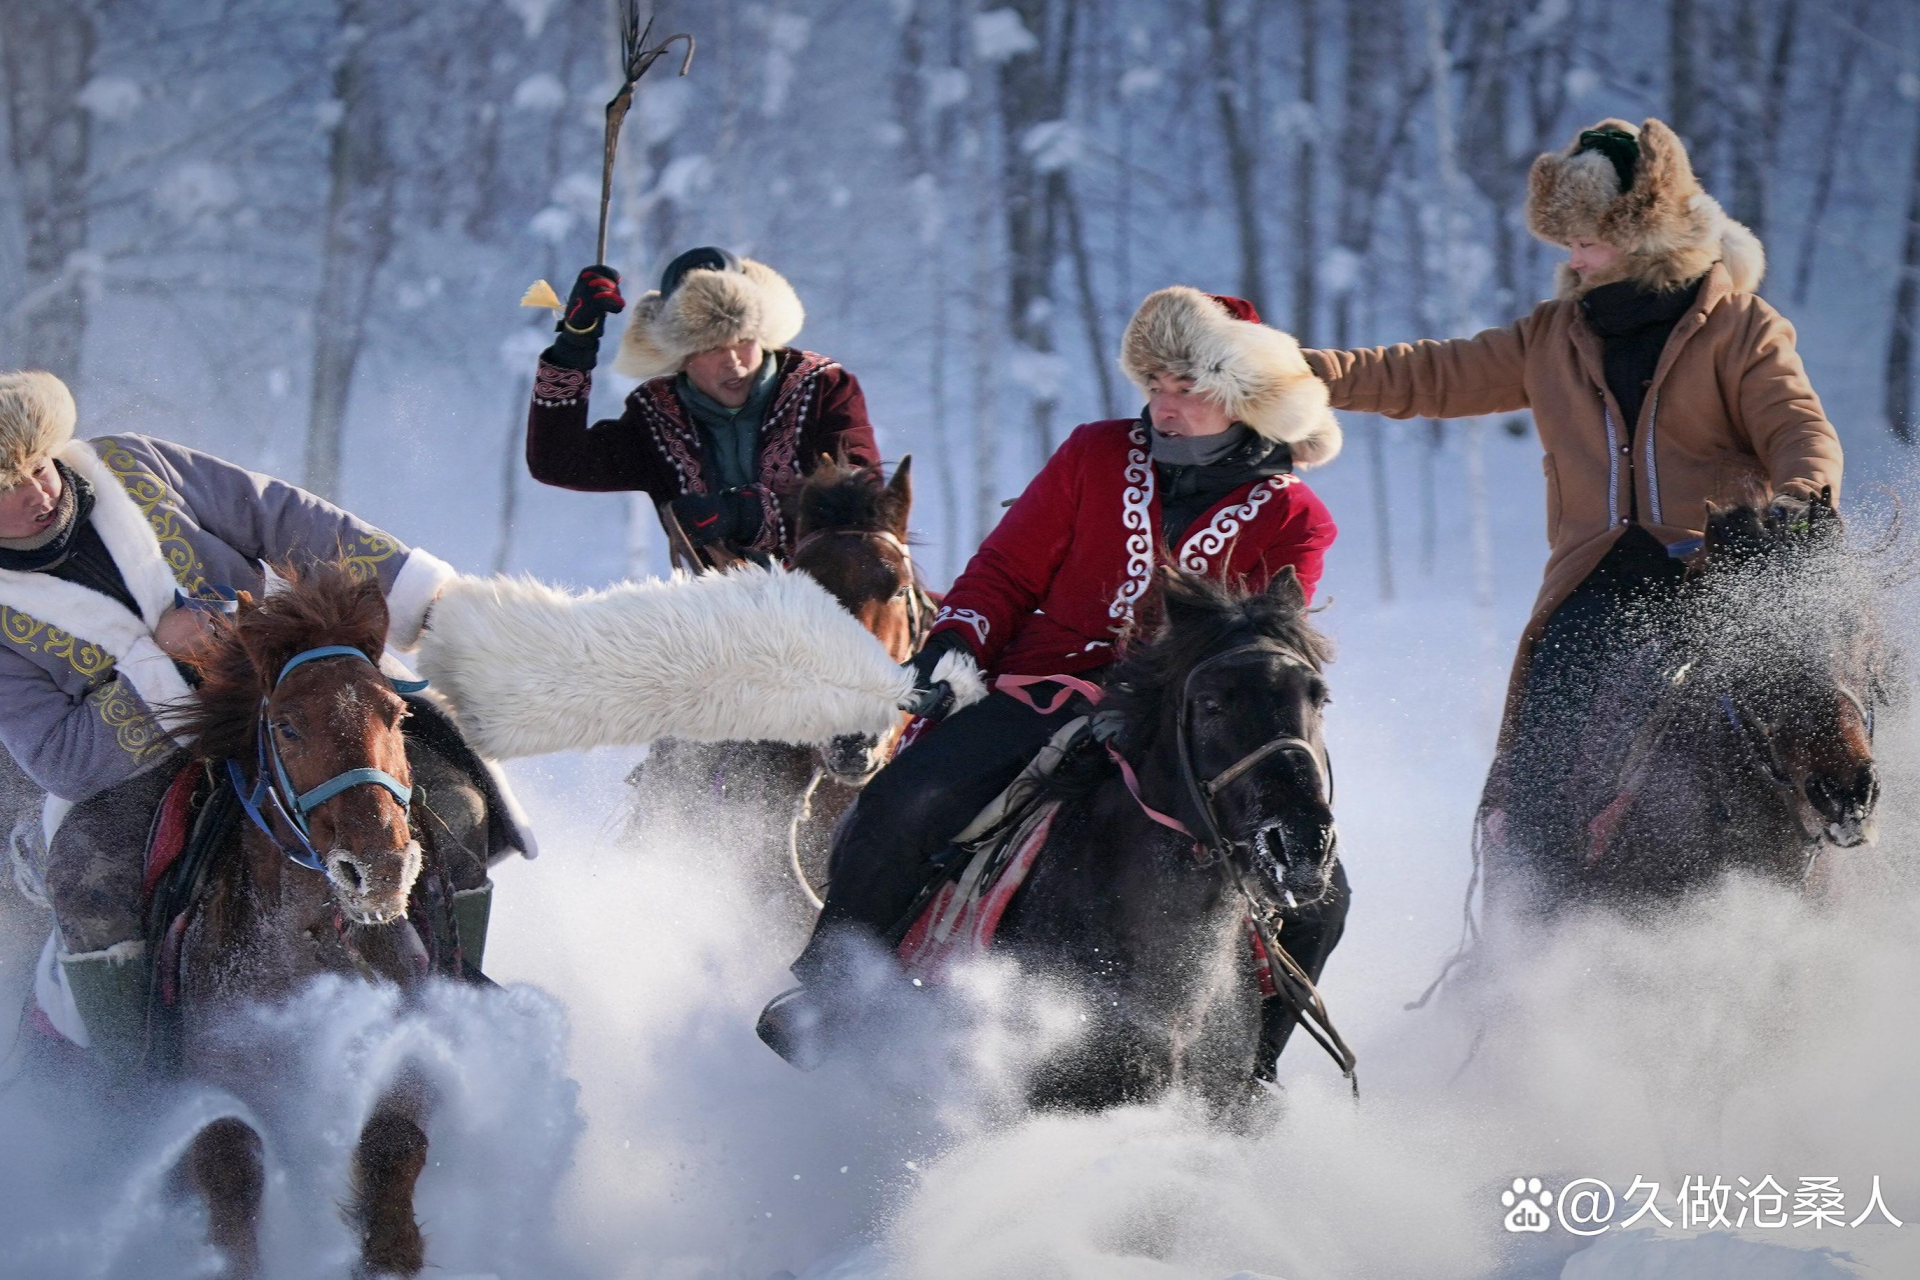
[[1203, 478], [729, 418]]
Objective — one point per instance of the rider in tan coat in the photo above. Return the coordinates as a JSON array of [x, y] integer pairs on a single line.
[[1658, 381]]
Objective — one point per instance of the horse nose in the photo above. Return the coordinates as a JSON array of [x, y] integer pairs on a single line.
[[1840, 799], [347, 872]]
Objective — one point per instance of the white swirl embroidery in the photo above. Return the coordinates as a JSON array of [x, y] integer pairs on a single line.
[[977, 621], [1136, 518], [1226, 524]]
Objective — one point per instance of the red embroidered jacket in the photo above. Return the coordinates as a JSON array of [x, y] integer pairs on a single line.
[[1057, 583], [817, 408]]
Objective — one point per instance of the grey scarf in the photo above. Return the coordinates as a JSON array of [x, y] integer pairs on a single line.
[[1196, 451]]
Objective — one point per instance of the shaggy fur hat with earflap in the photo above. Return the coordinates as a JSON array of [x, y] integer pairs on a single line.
[[705, 308], [36, 418], [1668, 230], [1255, 372]]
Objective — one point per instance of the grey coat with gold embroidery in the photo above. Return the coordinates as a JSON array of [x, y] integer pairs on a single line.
[[86, 697]]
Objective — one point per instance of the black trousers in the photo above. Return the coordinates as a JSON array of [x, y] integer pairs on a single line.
[[885, 852], [1602, 622]]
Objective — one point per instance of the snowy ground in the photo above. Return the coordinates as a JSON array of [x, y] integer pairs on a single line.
[[611, 1114]]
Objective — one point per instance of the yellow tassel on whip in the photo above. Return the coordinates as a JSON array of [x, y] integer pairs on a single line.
[[541, 294]]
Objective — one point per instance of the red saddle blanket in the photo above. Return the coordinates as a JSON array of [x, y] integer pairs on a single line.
[[961, 920], [172, 823]]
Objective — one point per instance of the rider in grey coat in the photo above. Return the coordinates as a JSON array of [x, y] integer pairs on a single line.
[[104, 545]]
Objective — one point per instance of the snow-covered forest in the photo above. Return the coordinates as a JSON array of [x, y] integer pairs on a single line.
[[296, 233]]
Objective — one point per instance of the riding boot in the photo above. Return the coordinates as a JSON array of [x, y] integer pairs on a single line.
[[109, 989]]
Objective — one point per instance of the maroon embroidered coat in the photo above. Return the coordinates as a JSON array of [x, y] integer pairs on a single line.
[[817, 408], [1057, 583]]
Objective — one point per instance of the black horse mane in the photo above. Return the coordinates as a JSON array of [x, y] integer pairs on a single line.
[[1202, 617], [838, 496]]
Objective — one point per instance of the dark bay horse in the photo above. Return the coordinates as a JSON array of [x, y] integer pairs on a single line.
[[851, 537], [1219, 723], [1736, 735], [356, 879]]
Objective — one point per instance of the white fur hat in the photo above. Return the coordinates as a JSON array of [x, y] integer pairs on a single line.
[[36, 418], [1253, 371], [708, 308]]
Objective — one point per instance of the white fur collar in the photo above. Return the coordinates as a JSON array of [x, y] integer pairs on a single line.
[[81, 611]]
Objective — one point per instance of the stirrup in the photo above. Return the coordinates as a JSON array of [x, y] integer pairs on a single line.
[[793, 1025]]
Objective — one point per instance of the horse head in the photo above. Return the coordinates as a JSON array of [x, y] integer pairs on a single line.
[[1231, 695], [851, 538], [1795, 659], [323, 722]]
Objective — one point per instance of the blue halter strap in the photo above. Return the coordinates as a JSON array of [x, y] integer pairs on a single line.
[[272, 790]]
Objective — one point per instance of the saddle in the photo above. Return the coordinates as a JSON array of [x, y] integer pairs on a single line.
[[961, 913]]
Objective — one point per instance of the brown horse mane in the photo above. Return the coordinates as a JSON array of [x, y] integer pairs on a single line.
[[325, 604], [839, 496]]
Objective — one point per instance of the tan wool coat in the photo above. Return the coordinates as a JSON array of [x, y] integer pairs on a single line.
[[1729, 416]]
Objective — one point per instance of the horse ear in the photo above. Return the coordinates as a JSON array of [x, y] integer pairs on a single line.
[[1285, 589], [897, 503]]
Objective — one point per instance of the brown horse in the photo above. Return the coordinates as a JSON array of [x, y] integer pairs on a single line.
[[343, 874], [1736, 732], [851, 537]]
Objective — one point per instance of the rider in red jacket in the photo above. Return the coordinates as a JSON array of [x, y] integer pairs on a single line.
[[1203, 478]]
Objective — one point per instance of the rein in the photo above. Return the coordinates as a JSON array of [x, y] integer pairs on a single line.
[[272, 793], [1292, 984]]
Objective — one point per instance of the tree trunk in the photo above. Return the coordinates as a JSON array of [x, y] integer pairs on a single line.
[[357, 236], [1906, 311], [1069, 202], [1306, 252], [47, 47], [1033, 90], [1839, 90], [1241, 142]]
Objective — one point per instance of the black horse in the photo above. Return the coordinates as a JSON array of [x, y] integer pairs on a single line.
[[1734, 732], [1212, 804]]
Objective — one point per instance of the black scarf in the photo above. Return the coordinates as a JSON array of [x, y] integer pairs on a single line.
[[1634, 323]]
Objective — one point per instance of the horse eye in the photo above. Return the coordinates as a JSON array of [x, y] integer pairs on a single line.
[[904, 591], [286, 730], [1210, 705]]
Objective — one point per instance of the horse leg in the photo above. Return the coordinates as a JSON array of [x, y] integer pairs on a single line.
[[1118, 1063], [386, 1165], [226, 1166]]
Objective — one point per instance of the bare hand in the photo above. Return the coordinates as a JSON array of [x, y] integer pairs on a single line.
[[183, 632]]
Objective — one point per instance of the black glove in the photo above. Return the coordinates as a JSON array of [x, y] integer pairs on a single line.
[[937, 646], [731, 516], [932, 700], [595, 296]]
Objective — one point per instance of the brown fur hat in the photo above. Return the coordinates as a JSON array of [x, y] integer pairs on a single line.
[[36, 418], [1666, 227], [1255, 372], [709, 309]]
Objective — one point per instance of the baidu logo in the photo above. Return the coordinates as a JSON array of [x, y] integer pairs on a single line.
[[1526, 1201]]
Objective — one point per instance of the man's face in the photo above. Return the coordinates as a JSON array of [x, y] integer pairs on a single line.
[[26, 510], [1176, 411], [726, 374]]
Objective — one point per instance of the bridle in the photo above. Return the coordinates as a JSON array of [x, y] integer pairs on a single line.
[[919, 604], [1212, 847], [1204, 791], [272, 793]]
